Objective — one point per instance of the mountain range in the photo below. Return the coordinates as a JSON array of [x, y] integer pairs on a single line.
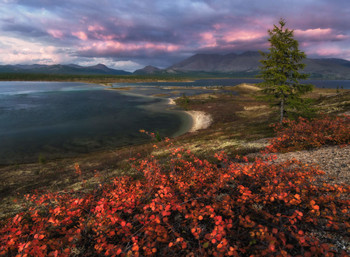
[[247, 65], [232, 64], [73, 69]]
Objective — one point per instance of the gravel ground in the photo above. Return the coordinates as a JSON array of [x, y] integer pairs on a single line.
[[333, 160]]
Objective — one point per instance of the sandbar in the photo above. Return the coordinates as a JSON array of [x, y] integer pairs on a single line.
[[200, 119]]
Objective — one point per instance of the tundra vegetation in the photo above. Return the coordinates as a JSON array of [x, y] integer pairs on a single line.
[[189, 202]]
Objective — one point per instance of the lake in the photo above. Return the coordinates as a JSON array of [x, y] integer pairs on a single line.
[[59, 119], [63, 119], [232, 82]]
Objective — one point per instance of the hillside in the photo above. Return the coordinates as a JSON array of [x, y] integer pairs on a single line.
[[247, 64], [150, 70], [72, 69]]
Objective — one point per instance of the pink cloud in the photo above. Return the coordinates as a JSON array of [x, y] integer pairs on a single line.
[[160, 47], [56, 33], [208, 39], [24, 51], [313, 32], [95, 28], [226, 38], [243, 35], [81, 35], [103, 37], [218, 26], [116, 46], [101, 33], [319, 34]]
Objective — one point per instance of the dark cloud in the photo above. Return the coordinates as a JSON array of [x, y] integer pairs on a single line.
[[43, 3], [163, 31], [24, 30]]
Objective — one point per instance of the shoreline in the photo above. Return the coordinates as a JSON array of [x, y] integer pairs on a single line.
[[200, 120]]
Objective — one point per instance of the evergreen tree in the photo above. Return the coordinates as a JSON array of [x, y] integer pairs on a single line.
[[280, 71]]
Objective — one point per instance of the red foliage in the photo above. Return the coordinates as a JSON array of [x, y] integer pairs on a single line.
[[305, 134], [186, 207]]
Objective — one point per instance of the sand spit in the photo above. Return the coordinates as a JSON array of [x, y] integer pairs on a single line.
[[172, 101], [200, 120]]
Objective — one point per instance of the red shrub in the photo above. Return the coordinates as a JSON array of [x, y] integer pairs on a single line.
[[306, 134], [186, 207]]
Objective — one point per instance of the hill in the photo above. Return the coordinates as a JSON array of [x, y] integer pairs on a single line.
[[247, 64], [148, 70], [72, 69]]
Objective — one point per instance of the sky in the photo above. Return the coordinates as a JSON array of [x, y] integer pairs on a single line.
[[130, 34]]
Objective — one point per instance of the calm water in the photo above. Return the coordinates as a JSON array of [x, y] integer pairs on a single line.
[[60, 119], [56, 119], [232, 82]]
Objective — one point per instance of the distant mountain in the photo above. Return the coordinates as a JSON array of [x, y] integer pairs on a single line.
[[148, 70], [199, 62], [330, 68], [247, 64], [73, 69], [229, 63], [239, 65]]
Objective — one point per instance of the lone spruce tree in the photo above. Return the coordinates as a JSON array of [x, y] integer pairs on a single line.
[[280, 71]]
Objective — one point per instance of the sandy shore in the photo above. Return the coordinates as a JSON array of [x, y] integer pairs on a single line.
[[172, 101], [200, 120]]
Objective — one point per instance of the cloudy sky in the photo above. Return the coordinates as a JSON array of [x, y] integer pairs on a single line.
[[129, 34]]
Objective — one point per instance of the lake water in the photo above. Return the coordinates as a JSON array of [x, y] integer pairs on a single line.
[[61, 119], [232, 82], [56, 119]]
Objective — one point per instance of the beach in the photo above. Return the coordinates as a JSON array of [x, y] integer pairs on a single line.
[[200, 119]]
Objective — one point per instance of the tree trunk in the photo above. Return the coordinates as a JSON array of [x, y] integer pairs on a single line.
[[282, 110]]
